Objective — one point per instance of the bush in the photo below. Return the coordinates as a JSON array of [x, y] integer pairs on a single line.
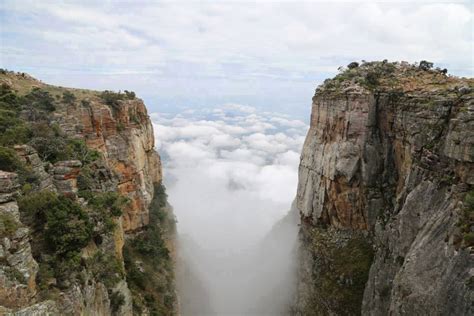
[[117, 300], [105, 207], [353, 65], [372, 79], [112, 98], [53, 146], [8, 225], [40, 99], [50, 148], [12, 128], [130, 95], [66, 226], [9, 161], [77, 149], [425, 65], [16, 135], [106, 269], [69, 98], [8, 98]]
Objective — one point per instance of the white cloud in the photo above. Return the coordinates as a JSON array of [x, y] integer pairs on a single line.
[[239, 37], [229, 183], [233, 152]]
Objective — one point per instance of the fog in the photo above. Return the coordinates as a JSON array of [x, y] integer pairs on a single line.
[[231, 176]]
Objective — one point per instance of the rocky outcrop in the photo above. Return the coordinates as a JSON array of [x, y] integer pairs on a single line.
[[387, 162], [18, 268], [30, 157], [100, 186], [65, 177], [124, 135]]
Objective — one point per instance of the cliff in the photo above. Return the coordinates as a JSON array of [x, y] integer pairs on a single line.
[[83, 214], [385, 194]]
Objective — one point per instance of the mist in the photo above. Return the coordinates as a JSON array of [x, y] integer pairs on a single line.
[[231, 176]]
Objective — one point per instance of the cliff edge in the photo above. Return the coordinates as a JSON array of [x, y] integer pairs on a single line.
[[385, 194], [84, 223]]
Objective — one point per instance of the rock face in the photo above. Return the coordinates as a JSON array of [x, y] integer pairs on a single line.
[[18, 269], [124, 134], [385, 170], [111, 192]]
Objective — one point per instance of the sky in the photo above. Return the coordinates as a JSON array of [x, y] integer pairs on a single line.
[[191, 54]]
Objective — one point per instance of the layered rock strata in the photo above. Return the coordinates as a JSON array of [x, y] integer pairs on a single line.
[[120, 135], [385, 170]]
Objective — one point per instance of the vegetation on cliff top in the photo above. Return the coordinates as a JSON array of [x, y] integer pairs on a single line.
[[390, 76]]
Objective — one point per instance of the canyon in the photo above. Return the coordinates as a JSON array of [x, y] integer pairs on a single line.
[[382, 223]]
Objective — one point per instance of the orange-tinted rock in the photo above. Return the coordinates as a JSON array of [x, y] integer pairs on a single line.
[[124, 135]]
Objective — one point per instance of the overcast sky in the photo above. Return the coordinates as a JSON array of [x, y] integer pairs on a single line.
[[268, 54]]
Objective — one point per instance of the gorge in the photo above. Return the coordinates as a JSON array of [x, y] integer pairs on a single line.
[[382, 222]]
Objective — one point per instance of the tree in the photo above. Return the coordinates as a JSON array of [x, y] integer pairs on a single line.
[[425, 65], [353, 65]]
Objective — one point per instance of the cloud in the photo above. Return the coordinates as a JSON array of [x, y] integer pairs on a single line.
[[230, 176], [214, 154], [270, 54], [239, 38]]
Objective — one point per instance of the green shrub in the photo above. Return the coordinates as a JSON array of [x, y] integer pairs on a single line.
[[15, 135], [39, 99], [129, 94], [117, 300], [105, 207], [112, 98], [425, 65], [353, 65], [68, 97], [106, 268], [9, 161], [66, 226], [8, 225], [12, 128], [77, 149], [8, 98], [120, 127]]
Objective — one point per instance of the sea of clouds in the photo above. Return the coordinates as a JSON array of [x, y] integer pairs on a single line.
[[231, 169], [231, 174]]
